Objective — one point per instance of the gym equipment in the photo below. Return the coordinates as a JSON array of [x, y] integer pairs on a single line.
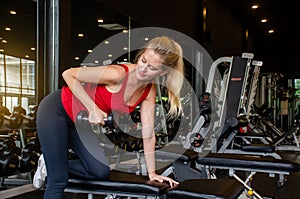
[[131, 185], [9, 146], [82, 120], [30, 118], [9, 161], [205, 165], [29, 158], [14, 120], [250, 164]]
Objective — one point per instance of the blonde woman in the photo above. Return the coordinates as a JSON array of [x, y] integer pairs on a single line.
[[106, 89]]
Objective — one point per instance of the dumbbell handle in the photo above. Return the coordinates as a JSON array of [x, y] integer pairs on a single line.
[[96, 128], [87, 119]]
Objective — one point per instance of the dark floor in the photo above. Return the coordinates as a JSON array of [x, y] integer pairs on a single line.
[[262, 183], [267, 186]]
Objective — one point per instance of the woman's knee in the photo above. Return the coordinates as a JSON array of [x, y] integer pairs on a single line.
[[100, 173]]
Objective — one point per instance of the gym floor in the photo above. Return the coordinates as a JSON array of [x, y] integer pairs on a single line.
[[262, 183]]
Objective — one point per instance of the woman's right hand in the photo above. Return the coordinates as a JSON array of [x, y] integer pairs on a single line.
[[96, 116]]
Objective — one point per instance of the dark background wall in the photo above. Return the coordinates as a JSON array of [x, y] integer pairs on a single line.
[[224, 34]]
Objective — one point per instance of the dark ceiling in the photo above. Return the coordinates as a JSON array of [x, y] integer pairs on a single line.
[[278, 51]]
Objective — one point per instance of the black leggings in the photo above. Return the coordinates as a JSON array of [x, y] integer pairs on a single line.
[[57, 133]]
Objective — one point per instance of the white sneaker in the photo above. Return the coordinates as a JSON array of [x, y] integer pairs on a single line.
[[40, 173]]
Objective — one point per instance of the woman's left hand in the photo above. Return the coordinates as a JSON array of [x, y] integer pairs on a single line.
[[161, 178]]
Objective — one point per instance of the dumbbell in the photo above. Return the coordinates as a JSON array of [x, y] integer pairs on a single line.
[[31, 117], [9, 146], [29, 157], [83, 121], [9, 161], [14, 120], [4, 110]]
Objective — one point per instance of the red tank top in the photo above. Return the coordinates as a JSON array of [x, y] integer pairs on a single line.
[[104, 99]]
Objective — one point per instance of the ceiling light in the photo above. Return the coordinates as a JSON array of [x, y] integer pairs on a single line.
[[109, 55], [32, 48], [125, 48], [100, 20], [264, 20], [1, 50], [80, 35], [254, 6], [146, 38], [7, 29], [27, 56], [106, 42], [125, 31], [271, 31], [4, 41], [96, 61], [90, 51], [76, 58], [12, 12]]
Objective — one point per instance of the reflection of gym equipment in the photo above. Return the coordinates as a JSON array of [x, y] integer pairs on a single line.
[[30, 118], [14, 121]]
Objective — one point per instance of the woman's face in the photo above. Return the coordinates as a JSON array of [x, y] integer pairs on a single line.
[[149, 66]]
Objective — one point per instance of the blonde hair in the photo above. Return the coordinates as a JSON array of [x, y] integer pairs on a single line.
[[171, 52]]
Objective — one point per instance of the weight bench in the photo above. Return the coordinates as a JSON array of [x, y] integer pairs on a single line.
[[190, 162], [132, 185], [119, 184], [207, 189], [252, 164]]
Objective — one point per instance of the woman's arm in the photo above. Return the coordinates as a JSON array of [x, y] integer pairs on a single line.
[[148, 134], [149, 139], [108, 75]]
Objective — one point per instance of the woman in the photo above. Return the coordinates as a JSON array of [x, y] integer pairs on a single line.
[[100, 94]]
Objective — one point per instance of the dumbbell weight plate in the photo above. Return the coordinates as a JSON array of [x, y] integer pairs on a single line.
[[81, 119], [15, 121], [28, 162], [8, 165], [29, 158], [4, 110]]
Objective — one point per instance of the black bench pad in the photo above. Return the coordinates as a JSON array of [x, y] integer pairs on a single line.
[[251, 162], [267, 148], [207, 189], [120, 182]]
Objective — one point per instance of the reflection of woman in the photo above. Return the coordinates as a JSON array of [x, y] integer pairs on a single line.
[[131, 85]]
